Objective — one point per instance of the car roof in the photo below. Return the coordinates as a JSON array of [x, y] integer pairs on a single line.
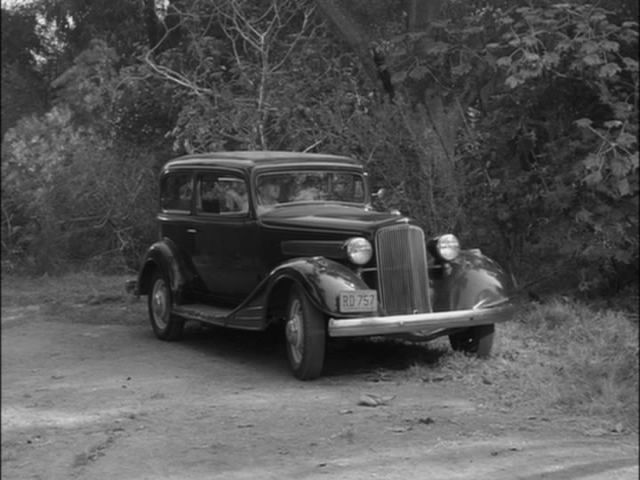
[[250, 159]]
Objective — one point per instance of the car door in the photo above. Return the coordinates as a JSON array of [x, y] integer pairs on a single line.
[[225, 236], [176, 199]]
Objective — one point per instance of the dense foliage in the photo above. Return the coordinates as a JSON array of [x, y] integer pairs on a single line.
[[551, 144], [23, 86], [512, 124]]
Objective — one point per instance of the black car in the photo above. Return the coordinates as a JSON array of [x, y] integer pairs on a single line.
[[253, 239]]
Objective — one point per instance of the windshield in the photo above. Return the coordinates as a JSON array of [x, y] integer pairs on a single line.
[[309, 186]]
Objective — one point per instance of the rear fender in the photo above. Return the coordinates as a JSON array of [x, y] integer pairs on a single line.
[[165, 256]]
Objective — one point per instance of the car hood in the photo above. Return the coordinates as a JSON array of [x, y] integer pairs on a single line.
[[329, 217]]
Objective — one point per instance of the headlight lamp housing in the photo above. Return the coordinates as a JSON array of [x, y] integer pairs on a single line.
[[359, 250], [445, 247]]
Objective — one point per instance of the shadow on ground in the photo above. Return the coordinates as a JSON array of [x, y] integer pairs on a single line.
[[344, 357]]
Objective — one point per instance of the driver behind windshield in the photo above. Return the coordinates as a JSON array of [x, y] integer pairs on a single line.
[[340, 189], [310, 189]]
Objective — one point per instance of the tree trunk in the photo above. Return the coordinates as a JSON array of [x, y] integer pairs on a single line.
[[152, 22], [350, 32], [436, 120], [421, 13]]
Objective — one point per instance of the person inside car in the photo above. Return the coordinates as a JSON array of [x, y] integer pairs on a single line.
[[236, 198], [341, 188], [210, 197], [268, 193], [309, 190]]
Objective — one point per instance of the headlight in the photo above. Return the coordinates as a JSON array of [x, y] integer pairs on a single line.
[[446, 247], [358, 250]]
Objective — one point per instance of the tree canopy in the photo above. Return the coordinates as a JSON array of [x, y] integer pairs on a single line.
[[512, 124]]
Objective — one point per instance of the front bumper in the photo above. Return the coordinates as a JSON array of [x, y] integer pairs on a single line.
[[420, 322]]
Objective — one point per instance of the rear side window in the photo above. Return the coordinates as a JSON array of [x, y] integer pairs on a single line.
[[176, 191], [222, 194]]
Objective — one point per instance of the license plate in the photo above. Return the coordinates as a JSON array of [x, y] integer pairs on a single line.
[[358, 301]]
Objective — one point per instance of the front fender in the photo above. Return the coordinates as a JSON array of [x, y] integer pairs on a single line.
[[475, 278], [321, 278], [164, 255]]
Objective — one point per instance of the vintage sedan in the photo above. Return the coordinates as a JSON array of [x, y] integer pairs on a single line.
[[249, 240]]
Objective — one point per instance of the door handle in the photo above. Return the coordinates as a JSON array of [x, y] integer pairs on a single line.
[[192, 230]]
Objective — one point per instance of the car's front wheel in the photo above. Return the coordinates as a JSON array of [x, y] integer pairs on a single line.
[[305, 332], [475, 340], [166, 326]]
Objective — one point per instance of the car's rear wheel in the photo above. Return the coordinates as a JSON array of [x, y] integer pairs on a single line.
[[305, 332], [165, 324], [475, 340]]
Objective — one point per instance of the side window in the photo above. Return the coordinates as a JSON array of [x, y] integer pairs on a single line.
[[176, 191], [222, 194]]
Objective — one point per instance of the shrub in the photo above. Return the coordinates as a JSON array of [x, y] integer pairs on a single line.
[[69, 197], [595, 354], [586, 359]]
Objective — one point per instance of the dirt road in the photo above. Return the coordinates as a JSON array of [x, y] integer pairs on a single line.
[[89, 393]]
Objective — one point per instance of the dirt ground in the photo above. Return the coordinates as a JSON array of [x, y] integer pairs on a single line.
[[89, 393]]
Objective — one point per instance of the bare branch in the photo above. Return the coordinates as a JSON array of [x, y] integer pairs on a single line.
[[314, 145], [169, 74], [297, 39]]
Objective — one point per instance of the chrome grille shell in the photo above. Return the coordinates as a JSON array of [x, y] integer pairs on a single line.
[[403, 278]]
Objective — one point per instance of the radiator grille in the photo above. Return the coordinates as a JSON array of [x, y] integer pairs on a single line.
[[403, 279]]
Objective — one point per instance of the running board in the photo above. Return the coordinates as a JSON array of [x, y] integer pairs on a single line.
[[203, 313]]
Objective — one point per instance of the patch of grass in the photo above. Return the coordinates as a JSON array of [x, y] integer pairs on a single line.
[[80, 297], [73, 288], [562, 355]]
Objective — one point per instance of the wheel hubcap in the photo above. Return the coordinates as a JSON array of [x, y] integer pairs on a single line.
[[160, 304], [294, 332]]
